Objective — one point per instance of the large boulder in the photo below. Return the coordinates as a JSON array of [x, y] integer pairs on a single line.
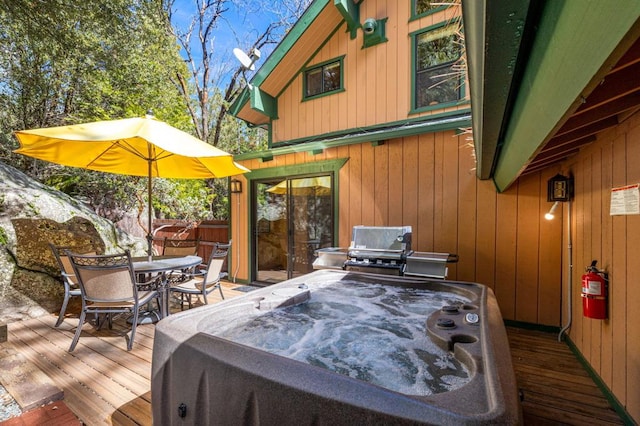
[[33, 215]]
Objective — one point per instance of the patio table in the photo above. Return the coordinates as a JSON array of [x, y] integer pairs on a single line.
[[162, 265]]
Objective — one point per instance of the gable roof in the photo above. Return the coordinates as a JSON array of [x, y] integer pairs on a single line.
[[545, 77], [295, 50]]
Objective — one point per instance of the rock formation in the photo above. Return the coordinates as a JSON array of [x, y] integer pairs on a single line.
[[31, 216]]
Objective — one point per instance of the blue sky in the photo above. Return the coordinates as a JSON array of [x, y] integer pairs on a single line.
[[240, 27]]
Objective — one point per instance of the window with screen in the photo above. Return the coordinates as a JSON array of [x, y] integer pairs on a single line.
[[437, 81]]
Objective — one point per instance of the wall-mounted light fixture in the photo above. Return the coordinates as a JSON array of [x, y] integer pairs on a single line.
[[235, 186], [374, 32], [559, 188], [551, 213]]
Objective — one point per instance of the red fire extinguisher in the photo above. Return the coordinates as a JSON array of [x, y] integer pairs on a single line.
[[594, 292]]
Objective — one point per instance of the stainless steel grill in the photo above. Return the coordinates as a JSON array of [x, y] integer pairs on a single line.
[[379, 249], [384, 250]]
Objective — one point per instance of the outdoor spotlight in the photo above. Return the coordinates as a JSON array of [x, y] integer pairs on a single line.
[[235, 186], [550, 214], [369, 26]]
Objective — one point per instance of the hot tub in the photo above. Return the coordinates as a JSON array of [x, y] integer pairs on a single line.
[[303, 352]]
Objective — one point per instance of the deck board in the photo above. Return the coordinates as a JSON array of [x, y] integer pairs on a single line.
[[556, 388], [106, 384]]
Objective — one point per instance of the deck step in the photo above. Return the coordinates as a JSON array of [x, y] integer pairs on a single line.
[[26, 383]]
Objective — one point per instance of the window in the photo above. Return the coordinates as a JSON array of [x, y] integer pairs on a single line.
[[436, 79], [425, 7], [324, 78]]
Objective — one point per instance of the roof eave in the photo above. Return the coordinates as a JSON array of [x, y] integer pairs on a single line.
[[495, 37], [575, 44], [292, 37]]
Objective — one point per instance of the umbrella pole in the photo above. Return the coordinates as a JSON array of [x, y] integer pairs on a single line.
[[149, 224]]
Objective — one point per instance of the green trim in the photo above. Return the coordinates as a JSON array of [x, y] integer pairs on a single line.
[[297, 169], [434, 27], [242, 99], [611, 398], [615, 404], [314, 168], [431, 124], [264, 103], [414, 36], [440, 106], [304, 71], [306, 63], [532, 326], [415, 16], [351, 14], [292, 37], [557, 74], [378, 35], [495, 37]]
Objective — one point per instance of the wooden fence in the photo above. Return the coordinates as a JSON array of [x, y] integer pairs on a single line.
[[207, 232]]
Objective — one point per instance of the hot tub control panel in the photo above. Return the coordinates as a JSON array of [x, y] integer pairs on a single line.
[[456, 324]]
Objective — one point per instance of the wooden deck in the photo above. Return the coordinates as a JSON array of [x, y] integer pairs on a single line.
[[105, 384]]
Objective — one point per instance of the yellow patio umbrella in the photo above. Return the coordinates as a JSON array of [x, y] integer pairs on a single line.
[[318, 186], [141, 146]]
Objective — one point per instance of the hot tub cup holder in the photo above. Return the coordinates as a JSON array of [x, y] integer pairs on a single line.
[[450, 309], [456, 324]]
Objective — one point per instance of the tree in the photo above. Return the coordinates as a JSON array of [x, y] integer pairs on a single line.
[[215, 77], [66, 62]]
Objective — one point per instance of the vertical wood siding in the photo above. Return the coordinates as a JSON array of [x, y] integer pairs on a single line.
[[611, 346], [377, 80], [429, 182]]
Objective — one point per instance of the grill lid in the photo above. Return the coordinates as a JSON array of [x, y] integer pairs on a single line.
[[380, 242]]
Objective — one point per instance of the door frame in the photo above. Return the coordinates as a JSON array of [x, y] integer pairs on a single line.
[[325, 167]]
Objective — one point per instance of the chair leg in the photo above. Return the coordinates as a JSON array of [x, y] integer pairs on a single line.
[[133, 328], [74, 342], [220, 288], [100, 319], [63, 309]]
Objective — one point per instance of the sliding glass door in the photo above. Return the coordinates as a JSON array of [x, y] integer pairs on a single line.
[[293, 217]]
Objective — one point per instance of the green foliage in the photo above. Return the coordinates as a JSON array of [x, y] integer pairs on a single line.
[[183, 199], [68, 62]]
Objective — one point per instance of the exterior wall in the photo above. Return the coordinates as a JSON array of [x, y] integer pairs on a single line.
[[612, 346], [377, 80], [429, 182]]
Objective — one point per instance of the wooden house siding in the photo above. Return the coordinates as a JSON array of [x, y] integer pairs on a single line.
[[611, 346], [428, 182], [377, 79]]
